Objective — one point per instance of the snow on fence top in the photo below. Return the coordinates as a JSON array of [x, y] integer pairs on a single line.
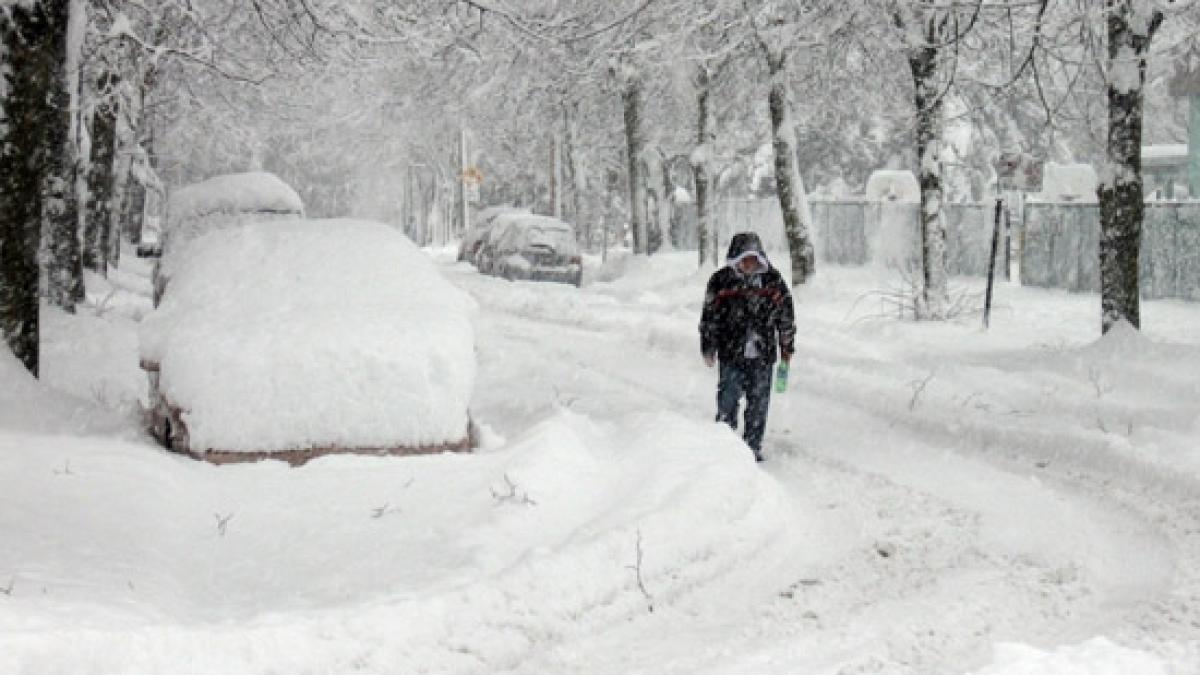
[[313, 334], [893, 185], [1068, 183]]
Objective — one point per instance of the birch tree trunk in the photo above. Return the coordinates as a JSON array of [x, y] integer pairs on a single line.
[[1120, 192], [935, 295], [631, 99], [64, 266], [787, 176], [32, 57], [700, 159]]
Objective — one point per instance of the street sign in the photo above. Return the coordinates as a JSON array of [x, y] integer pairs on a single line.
[[1019, 171], [472, 175]]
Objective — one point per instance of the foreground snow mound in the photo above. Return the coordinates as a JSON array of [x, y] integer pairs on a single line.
[[278, 336], [442, 563]]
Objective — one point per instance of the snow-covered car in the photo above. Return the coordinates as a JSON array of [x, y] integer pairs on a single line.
[[220, 202], [293, 340], [468, 248], [536, 248]]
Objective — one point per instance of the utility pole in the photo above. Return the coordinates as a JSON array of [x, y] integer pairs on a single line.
[[462, 180]]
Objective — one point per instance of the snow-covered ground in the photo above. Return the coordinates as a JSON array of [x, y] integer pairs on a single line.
[[937, 499]]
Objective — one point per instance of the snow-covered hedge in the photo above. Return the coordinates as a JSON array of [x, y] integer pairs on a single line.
[[281, 336]]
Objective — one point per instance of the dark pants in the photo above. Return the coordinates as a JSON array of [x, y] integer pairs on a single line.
[[752, 379]]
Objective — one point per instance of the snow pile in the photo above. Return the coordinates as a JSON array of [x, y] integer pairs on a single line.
[[27, 405], [1097, 656], [313, 334], [443, 563], [1067, 182]]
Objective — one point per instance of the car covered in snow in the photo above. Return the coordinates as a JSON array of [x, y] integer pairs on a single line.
[[220, 202], [468, 248], [532, 247], [290, 340]]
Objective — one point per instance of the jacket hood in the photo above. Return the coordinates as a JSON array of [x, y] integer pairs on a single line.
[[747, 245]]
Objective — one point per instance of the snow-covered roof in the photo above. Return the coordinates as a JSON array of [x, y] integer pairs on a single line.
[[893, 185], [1165, 155], [1067, 182], [309, 334], [255, 191]]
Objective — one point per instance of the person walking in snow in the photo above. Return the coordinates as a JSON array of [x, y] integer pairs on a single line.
[[748, 316]]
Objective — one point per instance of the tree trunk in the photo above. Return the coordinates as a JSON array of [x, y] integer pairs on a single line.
[[700, 161], [1120, 191], [98, 225], [33, 42], [631, 99], [934, 300], [787, 177], [64, 266]]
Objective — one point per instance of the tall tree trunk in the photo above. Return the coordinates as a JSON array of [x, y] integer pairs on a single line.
[[98, 226], [1120, 191], [934, 300], [701, 156], [631, 99], [33, 41], [64, 266], [787, 175]]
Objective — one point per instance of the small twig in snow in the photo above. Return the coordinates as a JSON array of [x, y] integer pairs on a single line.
[[7, 590], [381, 511], [222, 522], [1100, 423], [637, 569], [514, 495], [102, 306], [918, 386], [66, 470]]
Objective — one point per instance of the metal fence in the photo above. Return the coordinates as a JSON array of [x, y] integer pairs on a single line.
[[1061, 243], [1057, 244]]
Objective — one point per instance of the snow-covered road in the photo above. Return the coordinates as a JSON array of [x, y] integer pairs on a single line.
[[950, 496], [936, 499]]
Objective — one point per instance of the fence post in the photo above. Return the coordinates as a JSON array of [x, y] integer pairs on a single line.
[[987, 302]]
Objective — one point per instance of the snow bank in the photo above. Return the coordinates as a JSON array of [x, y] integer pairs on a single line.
[[28, 405], [444, 563], [313, 334]]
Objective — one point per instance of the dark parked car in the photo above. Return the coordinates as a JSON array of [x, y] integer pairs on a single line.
[[532, 247]]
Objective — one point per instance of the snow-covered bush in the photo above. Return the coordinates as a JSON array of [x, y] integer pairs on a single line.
[[321, 334]]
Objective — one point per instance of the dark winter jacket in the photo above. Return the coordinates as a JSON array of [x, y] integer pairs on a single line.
[[741, 308]]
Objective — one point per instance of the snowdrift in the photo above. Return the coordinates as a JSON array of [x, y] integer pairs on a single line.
[[141, 563]]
